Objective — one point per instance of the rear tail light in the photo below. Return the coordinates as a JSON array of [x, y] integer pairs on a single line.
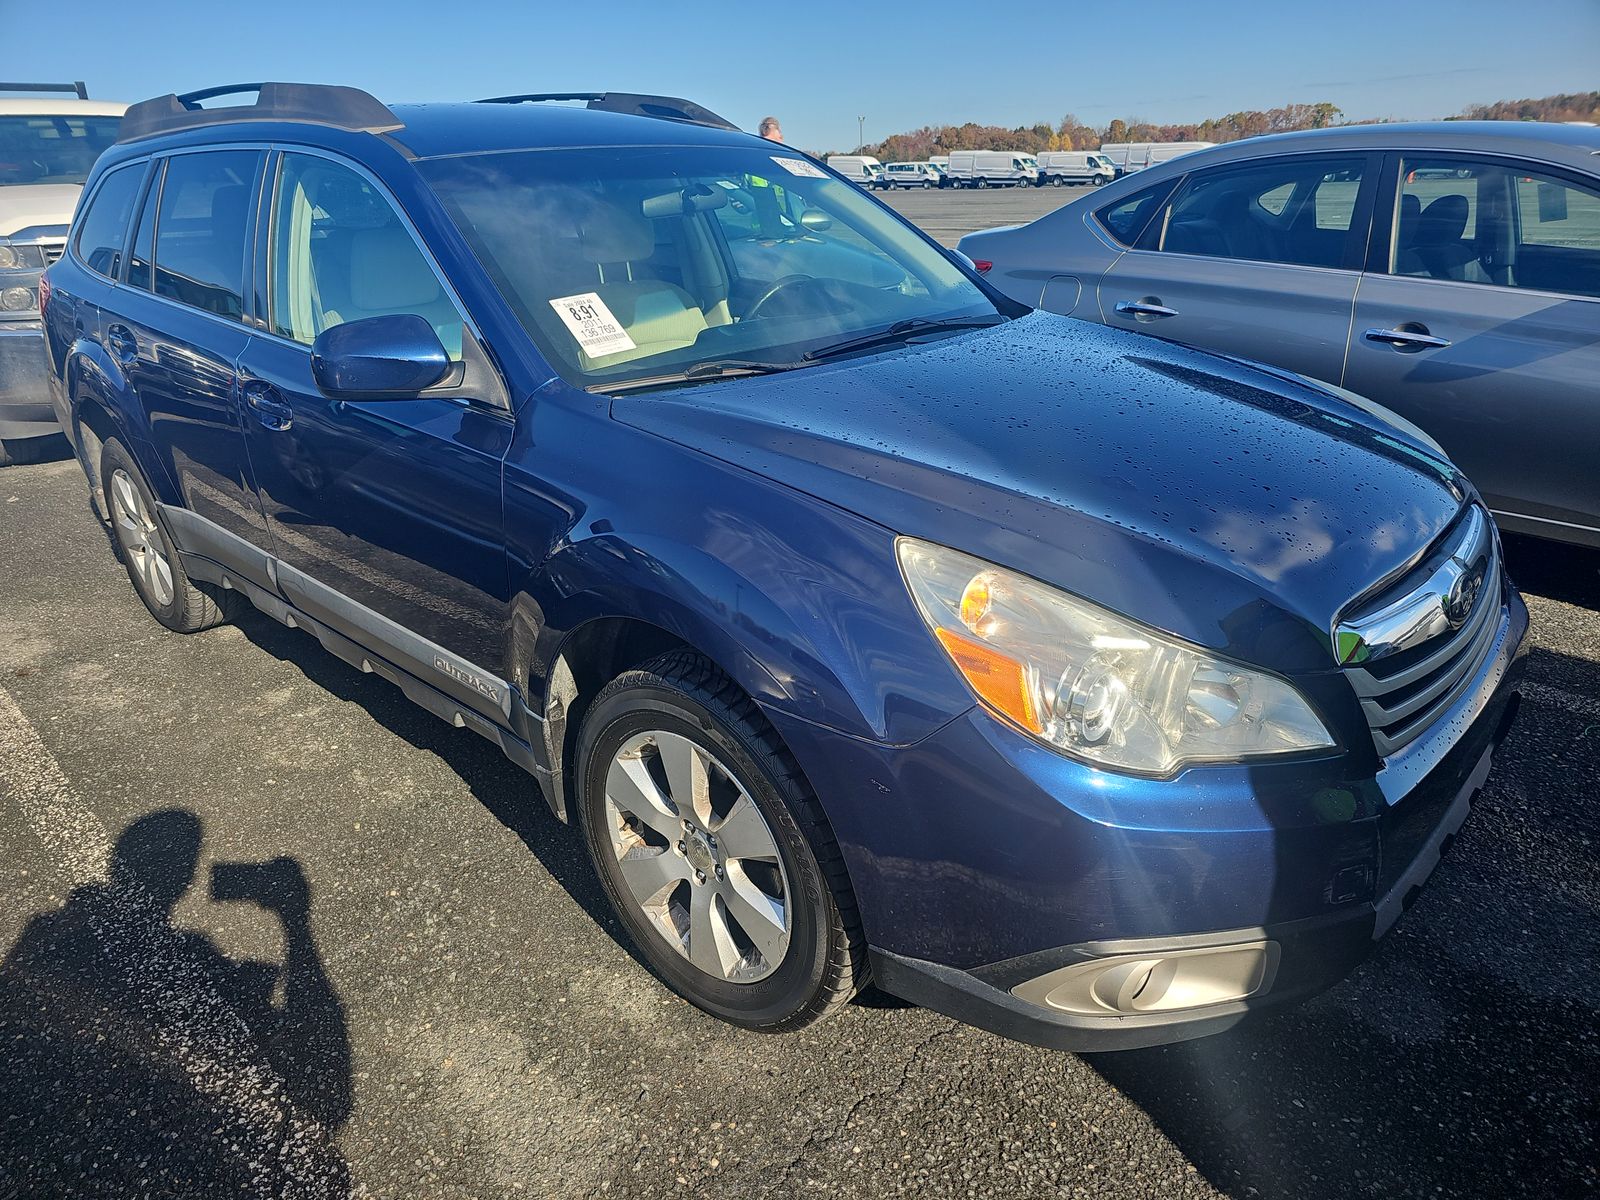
[[983, 265], [44, 294]]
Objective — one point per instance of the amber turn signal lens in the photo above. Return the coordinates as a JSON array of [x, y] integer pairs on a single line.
[[1001, 681]]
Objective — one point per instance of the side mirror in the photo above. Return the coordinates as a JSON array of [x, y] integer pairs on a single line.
[[379, 358], [815, 220]]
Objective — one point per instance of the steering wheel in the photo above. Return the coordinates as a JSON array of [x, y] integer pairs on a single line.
[[787, 283]]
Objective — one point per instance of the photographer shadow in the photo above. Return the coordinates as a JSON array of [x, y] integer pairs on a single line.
[[139, 1059]]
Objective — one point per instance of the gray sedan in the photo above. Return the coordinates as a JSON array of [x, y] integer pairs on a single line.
[[1449, 271]]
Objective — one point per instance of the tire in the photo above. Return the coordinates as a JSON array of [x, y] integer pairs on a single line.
[[982, 182], [147, 552], [680, 708]]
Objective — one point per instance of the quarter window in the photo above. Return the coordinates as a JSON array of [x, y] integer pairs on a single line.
[[104, 224], [341, 253], [1297, 212], [1126, 219], [200, 230], [1501, 223]]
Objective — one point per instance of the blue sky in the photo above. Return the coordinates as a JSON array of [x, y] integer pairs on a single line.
[[819, 64]]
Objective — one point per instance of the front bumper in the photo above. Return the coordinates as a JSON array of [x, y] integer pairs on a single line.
[[985, 863], [25, 407]]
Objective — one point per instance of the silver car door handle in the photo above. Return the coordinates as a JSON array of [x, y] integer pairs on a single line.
[[1138, 308], [1406, 337]]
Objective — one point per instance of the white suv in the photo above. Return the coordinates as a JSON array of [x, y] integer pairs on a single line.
[[46, 149]]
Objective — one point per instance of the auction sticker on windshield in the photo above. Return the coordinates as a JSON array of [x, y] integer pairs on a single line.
[[592, 324], [799, 166]]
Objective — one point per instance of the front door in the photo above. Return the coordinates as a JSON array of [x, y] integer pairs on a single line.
[[1481, 323], [1260, 261], [385, 514]]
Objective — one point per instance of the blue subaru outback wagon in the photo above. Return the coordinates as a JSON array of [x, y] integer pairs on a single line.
[[1092, 690]]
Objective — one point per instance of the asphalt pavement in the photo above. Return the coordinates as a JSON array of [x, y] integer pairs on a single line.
[[417, 991]]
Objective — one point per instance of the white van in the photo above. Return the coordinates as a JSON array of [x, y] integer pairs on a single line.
[[911, 175], [858, 168], [1127, 157], [1166, 151], [1057, 167], [992, 168]]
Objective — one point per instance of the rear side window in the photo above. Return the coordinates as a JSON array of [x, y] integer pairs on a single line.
[[1126, 219], [1297, 212], [200, 230], [104, 224]]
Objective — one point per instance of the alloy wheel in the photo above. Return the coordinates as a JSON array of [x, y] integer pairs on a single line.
[[697, 858], [140, 538]]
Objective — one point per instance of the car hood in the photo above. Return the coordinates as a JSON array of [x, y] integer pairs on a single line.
[[1236, 508], [24, 206]]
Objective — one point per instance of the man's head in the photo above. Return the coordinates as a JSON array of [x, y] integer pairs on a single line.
[[158, 854], [771, 130]]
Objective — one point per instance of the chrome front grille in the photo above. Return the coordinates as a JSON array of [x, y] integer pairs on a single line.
[[1418, 647]]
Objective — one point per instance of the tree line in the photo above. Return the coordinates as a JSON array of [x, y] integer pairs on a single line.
[[1072, 134]]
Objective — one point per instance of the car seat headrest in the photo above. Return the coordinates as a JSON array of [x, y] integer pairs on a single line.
[[608, 234], [1444, 220]]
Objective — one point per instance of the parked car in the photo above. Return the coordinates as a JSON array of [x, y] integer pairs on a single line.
[[911, 175], [859, 168], [991, 168], [1160, 152], [1057, 167], [866, 632], [47, 147], [1449, 271]]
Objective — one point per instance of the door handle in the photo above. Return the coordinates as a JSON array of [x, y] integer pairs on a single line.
[[121, 342], [268, 404], [1145, 310], [1414, 337]]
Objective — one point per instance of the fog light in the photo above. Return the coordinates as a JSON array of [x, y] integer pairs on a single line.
[[17, 299], [1159, 981]]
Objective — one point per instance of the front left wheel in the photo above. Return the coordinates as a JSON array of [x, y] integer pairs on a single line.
[[713, 849]]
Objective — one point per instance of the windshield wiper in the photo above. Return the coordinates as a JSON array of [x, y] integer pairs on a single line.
[[732, 368], [901, 331]]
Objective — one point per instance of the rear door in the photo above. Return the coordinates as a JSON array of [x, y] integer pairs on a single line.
[[385, 514], [1479, 319], [179, 332], [1260, 260]]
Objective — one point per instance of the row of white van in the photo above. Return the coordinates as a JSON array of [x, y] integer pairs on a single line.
[[977, 168], [1007, 168]]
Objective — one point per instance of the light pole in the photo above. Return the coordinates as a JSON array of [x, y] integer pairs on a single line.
[[861, 132]]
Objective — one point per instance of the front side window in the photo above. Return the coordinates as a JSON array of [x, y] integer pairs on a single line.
[[1297, 212], [340, 253], [647, 261], [1502, 223], [201, 224], [53, 149], [104, 223]]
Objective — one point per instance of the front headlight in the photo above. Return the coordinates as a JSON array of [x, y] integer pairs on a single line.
[[1093, 684]]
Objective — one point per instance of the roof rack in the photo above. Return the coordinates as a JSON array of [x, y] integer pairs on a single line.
[[667, 108], [76, 88], [316, 103]]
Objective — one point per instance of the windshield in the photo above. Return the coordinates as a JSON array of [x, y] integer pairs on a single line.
[[630, 264], [52, 149]]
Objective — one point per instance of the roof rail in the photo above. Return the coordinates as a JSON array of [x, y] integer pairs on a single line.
[[667, 108], [315, 103], [76, 88]]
